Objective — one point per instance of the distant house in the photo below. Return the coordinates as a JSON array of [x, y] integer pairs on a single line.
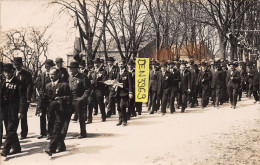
[[198, 52]]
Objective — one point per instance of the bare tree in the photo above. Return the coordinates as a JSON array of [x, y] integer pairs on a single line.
[[127, 24], [89, 14], [30, 43]]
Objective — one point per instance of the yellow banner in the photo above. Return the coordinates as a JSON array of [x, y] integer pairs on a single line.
[[141, 79]]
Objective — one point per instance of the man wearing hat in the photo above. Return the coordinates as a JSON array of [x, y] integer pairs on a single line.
[[79, 88], [194, 86], [174, 88], [64, 75], [27, 88], [99, 77], [216, 84], [185, 85], [14, 102], [125, 92], [111, 71], [243, 74], [59, 97], [204, 79], [42, 104], [92, 102], [233, 83], [165, 81], [153, 85]]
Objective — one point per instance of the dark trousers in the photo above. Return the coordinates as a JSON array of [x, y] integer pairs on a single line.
[[58, 125], [233, 92], [51, 121], [216, 95], [122, 110], [174, 95], [100, 101], [255, 93], [12, 137], [111, 99], [153, 100], [43, 122], [138, 106], [64, 131], [78, 105], [205, 96], [165, 95], [131, 108], [184, 100], [24, 124], [91, 104], [194, 96]]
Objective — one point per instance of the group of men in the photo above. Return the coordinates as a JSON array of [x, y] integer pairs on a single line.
[[216, 81], [94, 85]]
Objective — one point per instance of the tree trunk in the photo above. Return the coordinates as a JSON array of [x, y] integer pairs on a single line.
[[222, 46]]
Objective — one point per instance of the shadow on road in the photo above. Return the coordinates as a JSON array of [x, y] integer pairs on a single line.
[[79, 150], [34, 148]]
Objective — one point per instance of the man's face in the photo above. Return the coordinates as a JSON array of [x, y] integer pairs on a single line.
[[232, 67], [47, 67], [59, 64], [121, 65], [8, 74], [96, 65], [203, 68], [18, 66], [54, 75], [74, 71], [110, 63], [163, 68], [131, 67], [182, 67]]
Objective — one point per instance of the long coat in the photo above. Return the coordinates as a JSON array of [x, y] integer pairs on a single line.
[[217, 79], [13, 98], [164, 82], [185, 82], [153, 82], [62, 91], [27, 84], [235, 82], [126, 79]]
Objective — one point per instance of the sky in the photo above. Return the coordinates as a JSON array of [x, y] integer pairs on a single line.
[[37, 13]]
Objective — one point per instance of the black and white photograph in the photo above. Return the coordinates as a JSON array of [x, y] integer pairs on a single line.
[[130, 82]]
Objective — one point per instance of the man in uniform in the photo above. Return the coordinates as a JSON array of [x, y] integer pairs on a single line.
[[64, 75], [27, 86], [99, 76], [59, 98], [194, 85], [13, 101], [125, 91], [204, 81], [165, 81], [185, 85], [79, 88], [92, 102], [233, 83], [153, 85], [42, 105], [216, 84], [174, 88], [111, 71]]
